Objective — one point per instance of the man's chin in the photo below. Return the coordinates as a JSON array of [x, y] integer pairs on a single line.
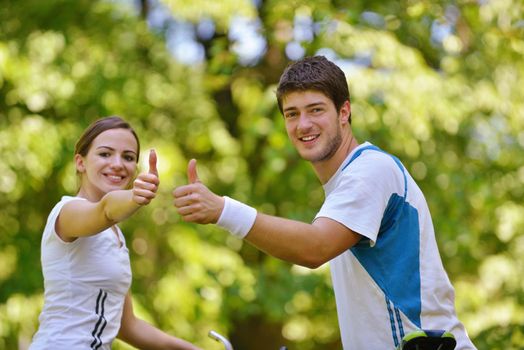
[[311, 157], [312, 160]]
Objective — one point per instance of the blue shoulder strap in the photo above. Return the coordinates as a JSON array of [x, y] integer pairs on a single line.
[[375, 148]]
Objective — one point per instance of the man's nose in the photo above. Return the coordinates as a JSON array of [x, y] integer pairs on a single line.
[[304, 121]]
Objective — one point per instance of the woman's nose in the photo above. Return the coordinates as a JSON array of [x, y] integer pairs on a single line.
[[116, 162]]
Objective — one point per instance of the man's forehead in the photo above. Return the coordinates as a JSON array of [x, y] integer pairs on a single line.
[[297, 99]]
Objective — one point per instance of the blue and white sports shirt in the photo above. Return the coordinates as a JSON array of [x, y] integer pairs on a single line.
[[393, 281]]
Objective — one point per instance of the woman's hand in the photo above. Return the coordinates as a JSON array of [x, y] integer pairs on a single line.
[[146, 184]]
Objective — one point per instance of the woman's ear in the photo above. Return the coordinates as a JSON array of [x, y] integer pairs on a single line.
[[79, 163]]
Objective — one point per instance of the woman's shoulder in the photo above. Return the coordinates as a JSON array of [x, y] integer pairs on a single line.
[[51, 219], [68, 198]]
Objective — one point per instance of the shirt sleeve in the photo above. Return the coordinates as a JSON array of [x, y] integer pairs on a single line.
[[362, 192], [49, 230]]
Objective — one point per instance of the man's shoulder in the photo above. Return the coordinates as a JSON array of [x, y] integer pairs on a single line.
[[375, 161]]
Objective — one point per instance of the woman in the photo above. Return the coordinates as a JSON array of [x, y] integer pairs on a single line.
[[85, 261]]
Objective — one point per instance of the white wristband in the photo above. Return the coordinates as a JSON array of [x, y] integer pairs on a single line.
[[237, 217]]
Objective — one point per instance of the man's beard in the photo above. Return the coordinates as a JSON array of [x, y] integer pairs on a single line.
[[330, 149]]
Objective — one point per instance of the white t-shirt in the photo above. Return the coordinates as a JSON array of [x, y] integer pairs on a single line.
[[85, 284], [393, 281]]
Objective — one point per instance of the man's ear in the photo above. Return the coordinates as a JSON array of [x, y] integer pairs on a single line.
[[79, 163], [345, 112]]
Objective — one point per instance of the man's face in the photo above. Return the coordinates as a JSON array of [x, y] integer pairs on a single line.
[[312, 124]]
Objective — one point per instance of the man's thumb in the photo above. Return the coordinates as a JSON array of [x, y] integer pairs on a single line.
[[192, 175], [152, 162]]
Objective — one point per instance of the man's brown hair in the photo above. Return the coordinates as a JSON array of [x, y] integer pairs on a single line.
[[314, 73]]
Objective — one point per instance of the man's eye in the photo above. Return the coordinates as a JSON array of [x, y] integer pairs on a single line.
[[290, 115]]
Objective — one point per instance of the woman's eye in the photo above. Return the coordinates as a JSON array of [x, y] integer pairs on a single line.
[[104, 154], [129, 158]]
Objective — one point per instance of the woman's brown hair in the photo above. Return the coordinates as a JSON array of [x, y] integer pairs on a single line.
[[99, 126]]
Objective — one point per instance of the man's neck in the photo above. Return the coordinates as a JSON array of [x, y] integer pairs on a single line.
[[327, 168]]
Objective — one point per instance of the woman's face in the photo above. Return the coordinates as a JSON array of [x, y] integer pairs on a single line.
[[109, 165]]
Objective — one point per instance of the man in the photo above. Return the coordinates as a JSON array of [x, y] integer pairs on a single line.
[[374, 226]]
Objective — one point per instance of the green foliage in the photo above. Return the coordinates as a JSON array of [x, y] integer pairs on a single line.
[[449, 106]]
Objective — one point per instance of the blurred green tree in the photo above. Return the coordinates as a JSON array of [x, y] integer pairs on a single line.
[[439, 83]]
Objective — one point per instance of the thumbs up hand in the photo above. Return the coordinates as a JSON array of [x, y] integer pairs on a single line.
[[194, 201], [192, 175], [152, 163], [146, 184]]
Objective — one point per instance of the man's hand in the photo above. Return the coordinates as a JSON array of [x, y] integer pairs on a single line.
[[195, 202], [146, 184]]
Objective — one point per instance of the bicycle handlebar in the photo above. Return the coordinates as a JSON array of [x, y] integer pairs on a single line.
[[214, 335]]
